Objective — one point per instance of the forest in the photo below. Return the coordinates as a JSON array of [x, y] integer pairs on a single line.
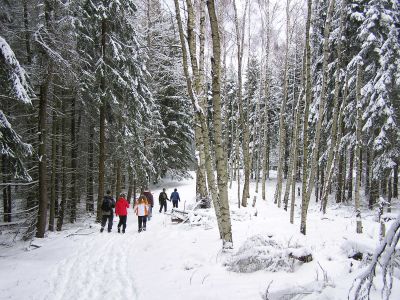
[[120, 94]]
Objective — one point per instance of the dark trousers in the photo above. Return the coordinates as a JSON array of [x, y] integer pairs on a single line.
[[163, 203], [175, 203], [142, 222], [110, 221], [122, 221]]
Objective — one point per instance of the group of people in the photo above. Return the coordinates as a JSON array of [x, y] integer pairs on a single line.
[[143, 208]]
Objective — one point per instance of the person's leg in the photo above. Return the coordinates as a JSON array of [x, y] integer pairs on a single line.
[[123, 218], [140, 220], [103, 222], [165, 206], [110, 221], [150, 212], [119, 223], [144, 223]]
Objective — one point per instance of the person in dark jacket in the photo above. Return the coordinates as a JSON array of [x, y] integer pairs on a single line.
[[150, 201], [163, 200], [121, 211], [175, 198], [107, 211]]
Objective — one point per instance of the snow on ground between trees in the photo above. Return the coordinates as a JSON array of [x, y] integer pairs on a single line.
[[185, 261]]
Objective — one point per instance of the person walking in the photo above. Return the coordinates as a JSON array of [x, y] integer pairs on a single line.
[[150, 201], [163, 200], [142, 210], [107, 211], [121, 211], [175, 198]]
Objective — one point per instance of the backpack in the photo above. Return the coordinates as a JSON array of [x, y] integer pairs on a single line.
[[106, 205]]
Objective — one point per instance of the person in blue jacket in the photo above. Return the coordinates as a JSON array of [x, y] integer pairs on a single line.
[[175, 198]]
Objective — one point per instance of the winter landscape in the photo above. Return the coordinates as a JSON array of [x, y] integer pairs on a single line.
[[277, 122]]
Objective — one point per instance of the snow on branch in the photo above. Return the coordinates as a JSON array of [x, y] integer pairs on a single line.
[[17, 78], [384, 256]]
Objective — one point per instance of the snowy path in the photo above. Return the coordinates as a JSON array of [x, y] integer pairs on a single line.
[[97, 269]]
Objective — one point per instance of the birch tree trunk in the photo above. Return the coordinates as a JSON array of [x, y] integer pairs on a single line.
[[265, 131], [199, 119], [358, 150], [242, 118], [314, 156], [305, 121], [282, 129], [221, 161]]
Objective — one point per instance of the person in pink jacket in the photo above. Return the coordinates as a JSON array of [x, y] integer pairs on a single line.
[[121, 211], [142, 210]]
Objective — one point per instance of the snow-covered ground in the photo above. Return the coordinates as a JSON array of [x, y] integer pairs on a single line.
[[182, 261]]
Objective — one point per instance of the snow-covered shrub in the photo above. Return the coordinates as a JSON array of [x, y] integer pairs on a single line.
[[261, 253]]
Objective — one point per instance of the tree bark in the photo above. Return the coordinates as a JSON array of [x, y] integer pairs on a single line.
[[74, 146], [282, 129], [337, 115], [53, 179], [307, 102], [396, 181], [221, 160], [265, 131], [350, 175], [102, 121], [242, 118], [61, 211], [90, 171], [358, 150], [314, 156]]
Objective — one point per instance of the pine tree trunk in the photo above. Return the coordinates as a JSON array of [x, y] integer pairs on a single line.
[[102, 121], [6, 200], [339, 184], [27, 33], [390, 193], [73, 193], [396, 181], [358, 150], [90, 171], [350, 176], [43, 200], [130, 186], [367, 173], [119, 178], [61, 211], [53, 179], [219, 150]]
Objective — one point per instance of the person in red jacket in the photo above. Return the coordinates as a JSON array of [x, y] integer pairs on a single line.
[[121, 211]]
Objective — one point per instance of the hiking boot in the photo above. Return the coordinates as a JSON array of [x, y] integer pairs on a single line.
[[119, 230], [144, 229], [139, 230], [101, 229], [109, 230], [123, 231]]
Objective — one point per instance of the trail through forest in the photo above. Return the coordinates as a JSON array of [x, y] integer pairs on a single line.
[[185, 261]]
